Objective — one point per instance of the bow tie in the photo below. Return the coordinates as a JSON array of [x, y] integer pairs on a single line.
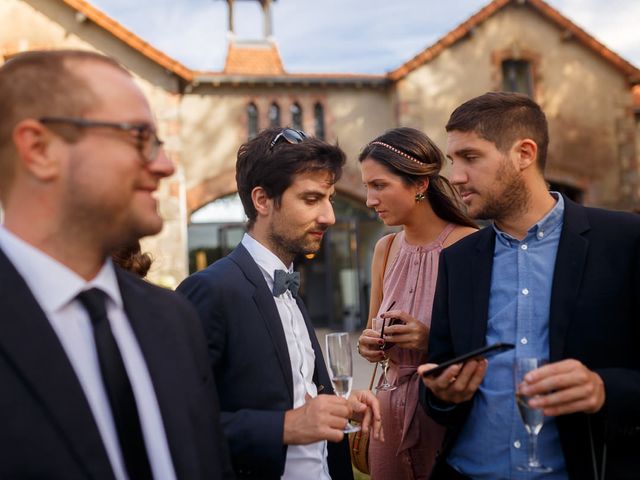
[[283, 280]]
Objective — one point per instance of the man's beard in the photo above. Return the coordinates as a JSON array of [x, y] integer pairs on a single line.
[[512, 199], [292, 247]]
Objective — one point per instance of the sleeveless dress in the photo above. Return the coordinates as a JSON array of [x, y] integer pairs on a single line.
[[411, 437]]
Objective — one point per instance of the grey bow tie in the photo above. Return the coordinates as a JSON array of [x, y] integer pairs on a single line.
[[283, 280]]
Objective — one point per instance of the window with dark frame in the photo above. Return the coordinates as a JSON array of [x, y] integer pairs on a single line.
[[252, 120], [517, 76], [318, 118]]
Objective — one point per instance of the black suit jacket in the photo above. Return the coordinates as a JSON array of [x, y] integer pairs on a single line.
[[249, 356], [594, 317], [47, 429]]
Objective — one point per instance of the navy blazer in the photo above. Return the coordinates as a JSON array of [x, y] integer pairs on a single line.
[[594, 317], [47, 429], [249, 356]]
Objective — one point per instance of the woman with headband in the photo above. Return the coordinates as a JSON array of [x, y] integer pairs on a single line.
[[401, 172]]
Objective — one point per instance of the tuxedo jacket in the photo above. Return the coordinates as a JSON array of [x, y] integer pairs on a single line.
[[594, 317], [250, 360], [47, 429]]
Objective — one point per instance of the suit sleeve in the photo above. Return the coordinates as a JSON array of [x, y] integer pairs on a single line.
[[441, 349], [621, 411], [255, 436]]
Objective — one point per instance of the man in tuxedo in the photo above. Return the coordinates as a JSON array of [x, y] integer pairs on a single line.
[[278, 410], [558, 280], [103, 375]]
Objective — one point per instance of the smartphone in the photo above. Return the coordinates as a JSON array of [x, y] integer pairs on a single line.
[[392, 322], [483, 352]]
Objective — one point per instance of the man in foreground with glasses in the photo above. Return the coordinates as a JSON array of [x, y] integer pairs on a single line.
[[103, 375], [560, 281], [264, 353]]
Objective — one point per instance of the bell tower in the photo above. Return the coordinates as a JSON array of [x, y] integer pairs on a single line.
[[267, 25], [253, 57]]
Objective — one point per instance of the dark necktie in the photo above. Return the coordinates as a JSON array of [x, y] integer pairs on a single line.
[[283, 280], [118, 387]]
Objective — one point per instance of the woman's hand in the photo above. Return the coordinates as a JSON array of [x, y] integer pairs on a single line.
[[411, 333], [370, 344]]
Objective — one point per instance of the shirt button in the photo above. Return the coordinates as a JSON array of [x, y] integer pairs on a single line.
[[411, 290], [516, 444], [524, 246], [525, 291], [540, 234], [524, 340], [416, 263]]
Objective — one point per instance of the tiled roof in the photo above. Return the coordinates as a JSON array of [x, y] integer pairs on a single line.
[[258, 58], [547, 11], [117, 30]]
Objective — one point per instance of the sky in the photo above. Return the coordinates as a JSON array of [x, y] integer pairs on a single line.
[[343, 36]]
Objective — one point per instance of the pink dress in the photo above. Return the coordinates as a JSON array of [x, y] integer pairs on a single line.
[[411, 437]]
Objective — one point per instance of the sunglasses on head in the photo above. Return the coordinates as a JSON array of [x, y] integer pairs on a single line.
[[289, 135]]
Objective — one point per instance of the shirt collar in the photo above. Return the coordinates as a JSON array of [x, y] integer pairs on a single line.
[[542, 228], [52, 283], [265, 258]]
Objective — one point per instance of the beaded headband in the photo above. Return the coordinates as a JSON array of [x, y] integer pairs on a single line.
[[395, 150]]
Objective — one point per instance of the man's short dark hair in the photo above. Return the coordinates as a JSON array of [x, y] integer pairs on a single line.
[[503, 118], [273, 168]]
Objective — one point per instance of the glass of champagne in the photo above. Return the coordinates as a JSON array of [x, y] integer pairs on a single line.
[[385, 386], [341, 368], [533, 418]]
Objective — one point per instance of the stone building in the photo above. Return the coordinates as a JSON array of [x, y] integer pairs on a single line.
[[522, 45]]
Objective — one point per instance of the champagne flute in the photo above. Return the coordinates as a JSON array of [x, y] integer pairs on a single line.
[[385, 386], [341, 368], [533, 418]]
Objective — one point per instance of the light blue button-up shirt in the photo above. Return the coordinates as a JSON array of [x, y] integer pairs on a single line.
[[494, 441]]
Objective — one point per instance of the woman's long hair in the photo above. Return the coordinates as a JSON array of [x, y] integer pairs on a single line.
[[412, 156]]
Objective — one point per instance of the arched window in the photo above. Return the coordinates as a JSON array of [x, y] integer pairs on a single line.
[[252, 120], [318, 119], [296, 116], [274, 115]]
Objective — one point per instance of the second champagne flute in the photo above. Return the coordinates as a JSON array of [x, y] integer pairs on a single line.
[[341, 368], [533, 418]]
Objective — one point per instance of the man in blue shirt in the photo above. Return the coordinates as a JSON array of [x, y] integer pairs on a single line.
[[558, 280]]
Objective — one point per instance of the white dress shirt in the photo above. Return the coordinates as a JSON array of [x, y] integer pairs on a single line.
[[55, 288], [303, 461]]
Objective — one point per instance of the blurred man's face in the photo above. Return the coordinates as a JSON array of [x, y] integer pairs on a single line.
[[110, 184]]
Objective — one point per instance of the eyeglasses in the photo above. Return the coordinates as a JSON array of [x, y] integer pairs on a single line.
[[147, 141], [290, 135]]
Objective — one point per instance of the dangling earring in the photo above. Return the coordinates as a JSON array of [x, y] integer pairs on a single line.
[[420, 197]]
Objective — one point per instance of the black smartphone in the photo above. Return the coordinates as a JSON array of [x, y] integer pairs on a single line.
[[392, 321], [483, 352]]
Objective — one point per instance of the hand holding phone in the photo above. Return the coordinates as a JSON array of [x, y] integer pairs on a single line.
[[483, 352], [389, 322]]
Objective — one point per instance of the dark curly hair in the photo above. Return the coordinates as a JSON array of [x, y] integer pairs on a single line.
[[133, 260]]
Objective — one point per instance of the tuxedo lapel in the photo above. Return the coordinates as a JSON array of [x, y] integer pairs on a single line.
[[567, 277], [30, 344], [480, 284], [268, 310]]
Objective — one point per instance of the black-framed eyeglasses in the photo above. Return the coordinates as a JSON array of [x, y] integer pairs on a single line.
[[147, 140], [289, 135]]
